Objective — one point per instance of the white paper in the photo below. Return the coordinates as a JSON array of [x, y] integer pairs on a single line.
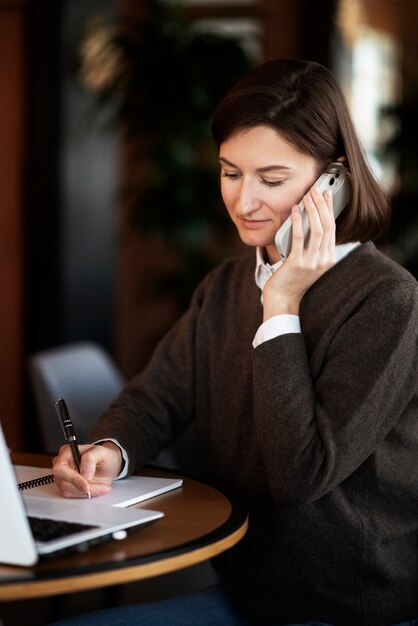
[[125, 492]]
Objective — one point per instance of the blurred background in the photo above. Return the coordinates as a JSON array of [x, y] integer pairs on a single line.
[[110, 211], [109, 203]]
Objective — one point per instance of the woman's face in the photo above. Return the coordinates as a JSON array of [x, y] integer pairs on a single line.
[[262, 177]]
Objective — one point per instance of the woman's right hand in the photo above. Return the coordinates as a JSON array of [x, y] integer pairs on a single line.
[[100, 464], [285, 289]]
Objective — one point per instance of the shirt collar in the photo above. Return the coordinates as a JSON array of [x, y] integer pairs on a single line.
[[263, 269]]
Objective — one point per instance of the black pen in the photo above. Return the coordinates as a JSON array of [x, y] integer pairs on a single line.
[[69, 432]]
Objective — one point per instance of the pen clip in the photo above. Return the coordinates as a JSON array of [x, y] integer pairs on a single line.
[[65, 420]]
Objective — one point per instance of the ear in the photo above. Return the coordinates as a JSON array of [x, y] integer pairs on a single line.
[[341, 159]]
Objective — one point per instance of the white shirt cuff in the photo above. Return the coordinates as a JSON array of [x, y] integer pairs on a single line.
[[275, 326], [124, 456]]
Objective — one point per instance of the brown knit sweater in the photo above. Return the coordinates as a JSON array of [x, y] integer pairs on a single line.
[[316, 432]]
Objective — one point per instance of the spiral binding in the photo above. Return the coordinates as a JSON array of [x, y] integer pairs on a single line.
[[37, 482]]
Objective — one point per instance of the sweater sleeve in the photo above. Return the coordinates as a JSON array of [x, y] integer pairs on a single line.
[[157, 405], [314, 432]]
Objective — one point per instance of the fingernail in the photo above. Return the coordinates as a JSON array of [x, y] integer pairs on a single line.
[[315, 189]]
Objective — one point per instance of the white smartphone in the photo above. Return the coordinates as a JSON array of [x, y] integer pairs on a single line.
[[335, 179]]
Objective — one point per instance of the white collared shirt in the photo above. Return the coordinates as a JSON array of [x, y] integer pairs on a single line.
[[283, 324]]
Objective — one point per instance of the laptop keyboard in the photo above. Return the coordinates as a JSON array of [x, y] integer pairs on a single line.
[[44, 529]]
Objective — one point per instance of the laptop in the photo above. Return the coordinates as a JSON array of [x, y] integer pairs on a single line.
[[33, 528]]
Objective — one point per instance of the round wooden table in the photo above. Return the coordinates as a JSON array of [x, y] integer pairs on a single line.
[[199, 523]]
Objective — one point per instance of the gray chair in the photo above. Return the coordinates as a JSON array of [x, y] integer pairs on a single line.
[[81, 373], [86, 377]]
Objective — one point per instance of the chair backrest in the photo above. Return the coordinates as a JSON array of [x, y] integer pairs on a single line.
[[81, 373], [88, 379]]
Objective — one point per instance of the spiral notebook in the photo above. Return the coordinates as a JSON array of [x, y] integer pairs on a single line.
[[35, 527], [35, 482]]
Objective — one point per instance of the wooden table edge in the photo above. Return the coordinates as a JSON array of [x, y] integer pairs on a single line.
[[130, 573]]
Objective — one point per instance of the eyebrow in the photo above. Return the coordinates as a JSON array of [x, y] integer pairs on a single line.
[[266, 168]]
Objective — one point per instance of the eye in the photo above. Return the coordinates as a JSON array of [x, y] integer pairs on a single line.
[[230, 175], [271, 183]]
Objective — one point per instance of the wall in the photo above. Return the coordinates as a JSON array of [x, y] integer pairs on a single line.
[[11, 239]]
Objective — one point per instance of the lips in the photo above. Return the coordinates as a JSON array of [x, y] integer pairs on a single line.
[[253, 224]]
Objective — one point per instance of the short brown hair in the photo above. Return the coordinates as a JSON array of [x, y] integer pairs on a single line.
[[302, 101]]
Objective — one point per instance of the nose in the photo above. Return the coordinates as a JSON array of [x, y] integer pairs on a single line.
[[248, 201]]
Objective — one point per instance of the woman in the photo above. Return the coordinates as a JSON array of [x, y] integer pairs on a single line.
[[302, 383]]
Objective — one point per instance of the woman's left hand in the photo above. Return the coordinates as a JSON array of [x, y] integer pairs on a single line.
[[285, 289]]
